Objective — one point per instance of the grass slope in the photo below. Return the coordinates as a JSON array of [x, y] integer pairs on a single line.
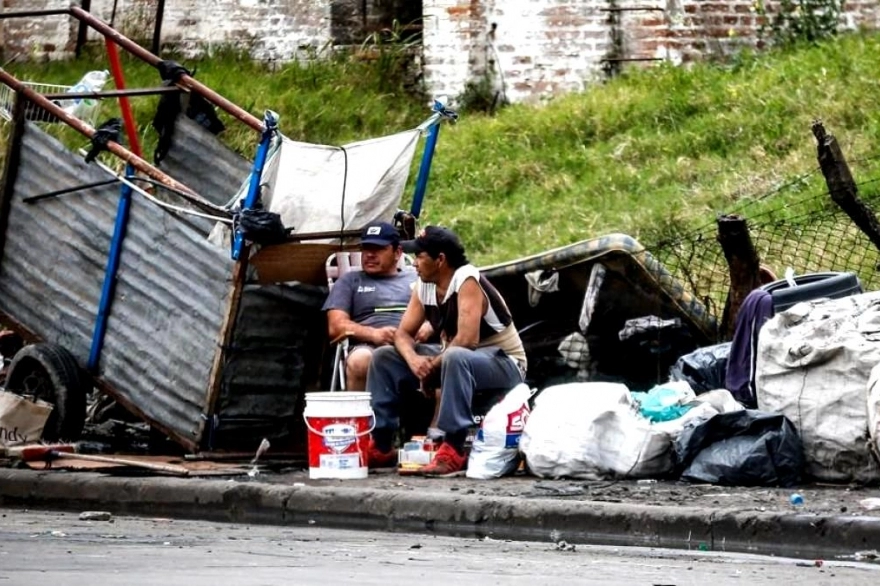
[[652, 150]]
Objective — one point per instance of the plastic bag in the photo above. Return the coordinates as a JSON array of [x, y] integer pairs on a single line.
[[592, 430], [704, 369], [743, 448], [495, 451], [665, 402]]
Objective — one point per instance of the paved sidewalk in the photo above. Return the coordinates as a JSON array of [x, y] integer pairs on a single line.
[[831, 524]]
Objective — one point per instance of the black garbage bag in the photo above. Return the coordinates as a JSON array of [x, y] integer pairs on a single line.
[[260, 226], [744, 448], [704, 369]]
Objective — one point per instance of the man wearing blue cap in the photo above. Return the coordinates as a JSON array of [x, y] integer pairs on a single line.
[[368, 304]]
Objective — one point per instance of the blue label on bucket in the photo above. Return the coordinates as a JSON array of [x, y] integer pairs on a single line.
[[339, 436]]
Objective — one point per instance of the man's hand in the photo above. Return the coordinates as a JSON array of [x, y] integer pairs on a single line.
[[382, 336], [422, 366], [425, 332]]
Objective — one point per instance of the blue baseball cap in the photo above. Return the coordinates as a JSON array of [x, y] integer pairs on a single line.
[[380, 234]]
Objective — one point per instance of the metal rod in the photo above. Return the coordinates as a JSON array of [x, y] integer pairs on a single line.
[[31, 13], [632, 9], [114, 147], [157, 28], [82, 29], [185, 80], [66, 190], [124, 105], [253, 194], [109, 285], [113, 93], [619, 59]]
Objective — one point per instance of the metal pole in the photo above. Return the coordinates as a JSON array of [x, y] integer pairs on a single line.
[[253, 195], [124, 104], [81, 33], [115, 148], [157, 29], [109, 285], [185, 81]]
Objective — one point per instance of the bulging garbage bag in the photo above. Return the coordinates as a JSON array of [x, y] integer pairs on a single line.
[[704, 369], [743, 448]]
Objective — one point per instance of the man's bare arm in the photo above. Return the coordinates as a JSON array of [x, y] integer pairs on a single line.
[[339, 323]]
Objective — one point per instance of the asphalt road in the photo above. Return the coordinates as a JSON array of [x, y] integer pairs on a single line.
[[47, 548]]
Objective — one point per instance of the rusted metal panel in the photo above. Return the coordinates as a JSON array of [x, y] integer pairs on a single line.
[[166, 317], [56, 249]]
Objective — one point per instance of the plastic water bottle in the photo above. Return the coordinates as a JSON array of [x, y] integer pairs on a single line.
[[93, 81]]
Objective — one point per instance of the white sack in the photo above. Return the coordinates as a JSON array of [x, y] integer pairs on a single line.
[[813, 365], [592, 431], [495, 451], [874, 407]]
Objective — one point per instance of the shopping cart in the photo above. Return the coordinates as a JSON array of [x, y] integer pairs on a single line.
[[84, 109]]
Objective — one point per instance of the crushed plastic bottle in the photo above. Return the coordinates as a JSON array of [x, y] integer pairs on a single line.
[[93, 81]]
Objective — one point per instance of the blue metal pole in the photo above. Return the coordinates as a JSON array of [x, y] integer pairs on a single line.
[[270, 125], [425, 169], [110, 272], [433, 126]]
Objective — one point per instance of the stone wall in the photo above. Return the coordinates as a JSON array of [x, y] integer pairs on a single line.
[[526, 49]]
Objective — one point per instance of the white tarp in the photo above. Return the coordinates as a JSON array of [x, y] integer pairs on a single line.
[[814, 361], [317, 188]]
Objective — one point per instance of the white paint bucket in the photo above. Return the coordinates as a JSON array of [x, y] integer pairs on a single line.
[[339, 427]]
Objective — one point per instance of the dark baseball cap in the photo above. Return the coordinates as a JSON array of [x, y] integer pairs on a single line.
[[434, 240], [380, 234]]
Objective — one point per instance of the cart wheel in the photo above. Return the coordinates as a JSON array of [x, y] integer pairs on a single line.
[[49, 372]]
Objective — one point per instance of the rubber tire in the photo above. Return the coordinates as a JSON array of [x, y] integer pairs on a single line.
[[812, 286], [49, 372]]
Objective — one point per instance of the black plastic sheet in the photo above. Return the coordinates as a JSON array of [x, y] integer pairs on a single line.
[[704, 369], [744, 448]]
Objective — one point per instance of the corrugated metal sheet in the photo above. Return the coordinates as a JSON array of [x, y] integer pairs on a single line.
[[168, 307], [274, 356], [198, 159], [56, 249], [167, 313]]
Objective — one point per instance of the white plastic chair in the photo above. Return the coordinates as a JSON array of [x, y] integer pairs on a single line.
[[337, 265]]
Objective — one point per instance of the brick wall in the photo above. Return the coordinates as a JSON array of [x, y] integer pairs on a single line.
[[529, 49]]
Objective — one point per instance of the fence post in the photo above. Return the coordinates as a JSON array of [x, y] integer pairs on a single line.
[[841, 185], [744, 264]]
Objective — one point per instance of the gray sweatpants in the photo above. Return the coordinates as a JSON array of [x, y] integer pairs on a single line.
[[463, 372]]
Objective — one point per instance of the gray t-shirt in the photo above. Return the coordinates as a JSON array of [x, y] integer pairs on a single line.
[[372, 301]]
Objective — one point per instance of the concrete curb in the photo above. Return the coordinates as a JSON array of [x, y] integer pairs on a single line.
[[807, 536]]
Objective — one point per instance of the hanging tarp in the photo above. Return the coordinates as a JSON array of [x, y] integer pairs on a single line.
[[317, 188]]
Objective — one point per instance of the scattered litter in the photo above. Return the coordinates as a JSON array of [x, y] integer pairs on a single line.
[[796, 499], [58, 534], [416, 546], [563, 545], [867, 555], [95, 516], [870, 504]]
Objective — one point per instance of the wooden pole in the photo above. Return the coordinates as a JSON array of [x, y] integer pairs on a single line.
[[744, 264], [841, 185]]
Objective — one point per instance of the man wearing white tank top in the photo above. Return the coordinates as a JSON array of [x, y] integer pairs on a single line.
[[480, 350]]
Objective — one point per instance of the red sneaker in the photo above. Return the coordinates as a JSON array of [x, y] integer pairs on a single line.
[[446, 462], [379, 459]]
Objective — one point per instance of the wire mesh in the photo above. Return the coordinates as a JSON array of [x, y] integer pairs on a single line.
[[807, 232]]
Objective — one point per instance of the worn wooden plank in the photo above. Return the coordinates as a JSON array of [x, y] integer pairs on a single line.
[[295, 261]]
